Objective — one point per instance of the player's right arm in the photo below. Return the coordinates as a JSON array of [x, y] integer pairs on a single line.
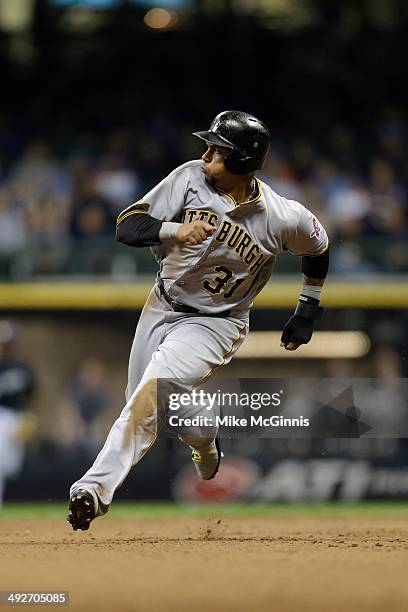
[[143, 230], [151, 221]]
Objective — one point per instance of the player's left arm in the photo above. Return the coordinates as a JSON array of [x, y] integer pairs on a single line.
[[311, 242]]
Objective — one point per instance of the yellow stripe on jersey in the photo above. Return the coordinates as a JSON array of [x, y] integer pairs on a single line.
[[122, 217], [228, 196], [137, 207], [223, 358], [255, 199]]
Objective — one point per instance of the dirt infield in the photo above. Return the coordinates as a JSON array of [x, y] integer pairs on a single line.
[[216, 564]]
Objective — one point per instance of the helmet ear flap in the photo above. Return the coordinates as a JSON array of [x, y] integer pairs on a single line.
[[236, 163]]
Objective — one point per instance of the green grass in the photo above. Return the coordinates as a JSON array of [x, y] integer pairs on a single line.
[[147, 510]]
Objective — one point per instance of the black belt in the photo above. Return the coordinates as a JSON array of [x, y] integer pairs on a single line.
[[179, 307]]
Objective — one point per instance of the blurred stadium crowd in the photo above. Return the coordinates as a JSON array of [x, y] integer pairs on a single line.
[[97, 107], [57, 213]]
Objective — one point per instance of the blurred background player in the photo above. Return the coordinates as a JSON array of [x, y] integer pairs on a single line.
[[17, 422]]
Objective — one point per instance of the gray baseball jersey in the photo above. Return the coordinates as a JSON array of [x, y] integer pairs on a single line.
[[230, 268], [225, 272]]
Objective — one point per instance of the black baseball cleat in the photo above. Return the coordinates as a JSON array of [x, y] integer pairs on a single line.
[[81, 510]]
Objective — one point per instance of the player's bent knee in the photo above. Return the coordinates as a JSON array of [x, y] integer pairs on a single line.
[[143, 403]]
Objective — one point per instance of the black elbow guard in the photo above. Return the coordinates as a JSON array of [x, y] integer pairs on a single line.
[[316, 266], [139, 230]]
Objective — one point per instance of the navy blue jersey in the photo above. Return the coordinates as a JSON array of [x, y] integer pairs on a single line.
[[16, 384]]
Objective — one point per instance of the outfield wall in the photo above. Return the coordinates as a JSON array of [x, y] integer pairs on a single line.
[[58, 342], [124, 296]]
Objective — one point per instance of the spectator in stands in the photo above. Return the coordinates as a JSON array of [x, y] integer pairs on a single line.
[[347, 206], [386, 214], [280, 176], [117, 182], [13, 233], [92, 227], [38, 178]]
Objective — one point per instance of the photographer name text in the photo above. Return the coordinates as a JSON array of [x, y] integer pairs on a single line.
[[233, 421]]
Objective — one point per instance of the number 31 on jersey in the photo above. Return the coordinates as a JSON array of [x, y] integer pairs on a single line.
[[221, 281]]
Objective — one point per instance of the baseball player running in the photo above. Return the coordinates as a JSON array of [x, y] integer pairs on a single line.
[[215, 230]]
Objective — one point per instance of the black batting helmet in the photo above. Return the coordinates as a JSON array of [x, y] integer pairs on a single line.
[[244, 134]]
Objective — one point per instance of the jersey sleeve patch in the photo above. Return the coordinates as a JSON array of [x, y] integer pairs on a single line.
[[308, 237]]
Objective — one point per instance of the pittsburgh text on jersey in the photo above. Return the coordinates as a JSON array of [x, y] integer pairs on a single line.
[[236, 238]]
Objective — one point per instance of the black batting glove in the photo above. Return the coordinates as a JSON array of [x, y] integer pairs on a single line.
[[299, 328]]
